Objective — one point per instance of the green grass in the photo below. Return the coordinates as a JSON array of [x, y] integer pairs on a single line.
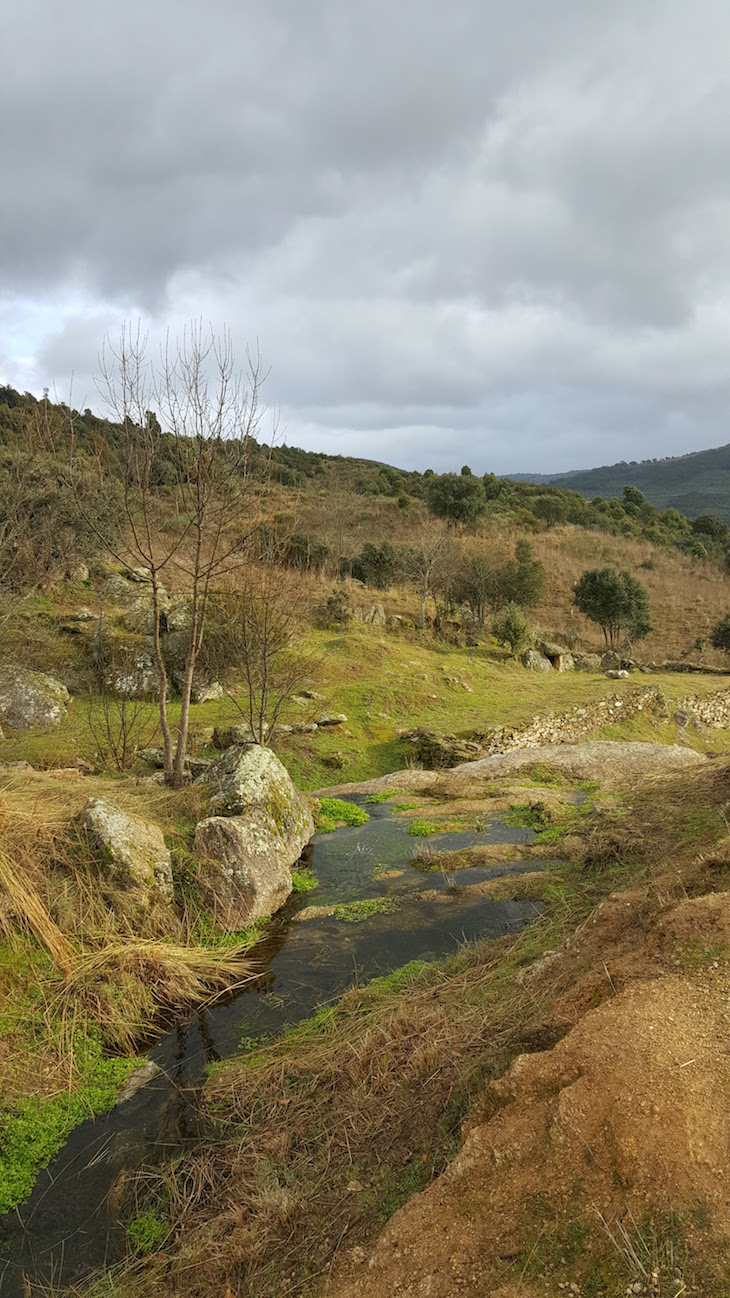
[[147, 1231], [352, 912], [385, 796], [34, 1130], [304, 880], [371, 679], [420, 828], [334, 812]]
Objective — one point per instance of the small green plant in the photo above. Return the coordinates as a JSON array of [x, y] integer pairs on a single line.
[[303, 880], [420, 828], [147, 1231], [524, 815], [404, 806], [352, 912], [384, 796], [334, 812], [510, 628]]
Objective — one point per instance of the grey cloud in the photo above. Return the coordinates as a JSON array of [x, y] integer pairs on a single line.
[[477, 231]]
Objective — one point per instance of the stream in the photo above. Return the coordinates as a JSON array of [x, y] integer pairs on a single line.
[[74, 1221]]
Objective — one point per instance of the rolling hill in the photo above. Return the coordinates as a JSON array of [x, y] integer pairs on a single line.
[[698, 483]]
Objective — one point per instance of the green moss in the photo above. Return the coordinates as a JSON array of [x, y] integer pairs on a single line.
[[33, 1131], [422, 828], [334, 812], [385, 796], [352, 912], [303, 880], [147, 1231], [523, 815]]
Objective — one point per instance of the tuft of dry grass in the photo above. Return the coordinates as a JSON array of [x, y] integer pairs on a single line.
[[25, 909], [126, 983]]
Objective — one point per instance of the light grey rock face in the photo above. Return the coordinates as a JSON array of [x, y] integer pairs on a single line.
[[249, 778], [242, 873], [131, 852], [134, 673], [31, 700], [225, 737], [79, 573], [259, 827], [208, 693], [536, 662], [588, 662], [617, 675]]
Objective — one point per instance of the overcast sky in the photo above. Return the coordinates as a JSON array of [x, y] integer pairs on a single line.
[[494, 231]]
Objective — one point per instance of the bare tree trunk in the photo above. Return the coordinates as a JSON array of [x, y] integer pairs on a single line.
[[161, 679]]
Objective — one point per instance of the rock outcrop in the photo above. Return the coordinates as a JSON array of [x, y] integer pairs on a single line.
[[247, 847], [536, 662], [244, 871], [131, 853], [31, 700]]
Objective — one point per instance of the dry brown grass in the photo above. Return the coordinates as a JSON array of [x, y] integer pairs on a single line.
[[106, 976], [688, 596]]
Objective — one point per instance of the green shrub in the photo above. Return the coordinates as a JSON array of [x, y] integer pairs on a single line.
[[510, 628]]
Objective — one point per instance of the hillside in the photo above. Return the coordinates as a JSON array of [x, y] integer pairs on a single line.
[[694, 484], [352, 646]]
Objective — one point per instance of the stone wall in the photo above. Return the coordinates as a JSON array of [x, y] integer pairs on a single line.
[[705, 711]]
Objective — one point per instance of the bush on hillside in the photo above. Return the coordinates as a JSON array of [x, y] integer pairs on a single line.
[[522, 580], [457, 497], [377, 565], [510, 628], [336, 612], [617, 602], [720, 635]]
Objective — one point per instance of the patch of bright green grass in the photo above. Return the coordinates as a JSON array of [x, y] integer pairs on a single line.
[[352, 912], [405, 806], [334, 812], [383, 796], [524, 815], [422, 828], [303, 880], [147, 1231], [34, 1130]]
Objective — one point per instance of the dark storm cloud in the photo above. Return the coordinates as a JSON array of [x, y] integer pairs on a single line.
[[478, 231]]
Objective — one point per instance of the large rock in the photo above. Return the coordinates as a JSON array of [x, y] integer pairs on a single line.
[[258, 830], [536, 662], [225, 737], [133, 673], [588, 662], [31, 700], [131, 852], [243, 876], [564, 662], [248, 778]]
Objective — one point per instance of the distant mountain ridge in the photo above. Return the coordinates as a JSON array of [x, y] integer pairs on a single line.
[[696, 483]]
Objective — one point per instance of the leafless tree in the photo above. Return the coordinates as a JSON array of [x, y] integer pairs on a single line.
[[263, 627], [424, 558], [187, 420]]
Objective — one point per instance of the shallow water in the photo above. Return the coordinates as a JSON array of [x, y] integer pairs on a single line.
[[73, 1221]]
